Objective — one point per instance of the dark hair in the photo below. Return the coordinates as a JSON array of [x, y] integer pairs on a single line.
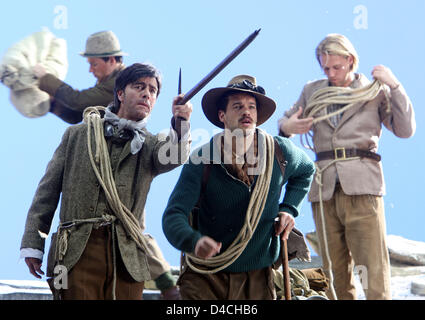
[[223, 101], [130, 75], [118, 59]]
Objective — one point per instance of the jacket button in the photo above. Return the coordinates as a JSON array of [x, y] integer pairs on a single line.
[[91, 209]]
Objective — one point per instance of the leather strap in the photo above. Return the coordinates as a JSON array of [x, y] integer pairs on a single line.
[[343, 153], [280, 157]]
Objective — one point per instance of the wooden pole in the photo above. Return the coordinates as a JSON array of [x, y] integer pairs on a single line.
[[285, 268]]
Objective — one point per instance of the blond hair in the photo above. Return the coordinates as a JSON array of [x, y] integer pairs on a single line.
[[337, 44]]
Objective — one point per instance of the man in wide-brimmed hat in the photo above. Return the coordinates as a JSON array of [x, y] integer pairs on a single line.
[[235, 182], [103, 53]]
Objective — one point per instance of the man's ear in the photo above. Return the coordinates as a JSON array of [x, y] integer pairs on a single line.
[[120, 95], [350, 60], [221, 115]]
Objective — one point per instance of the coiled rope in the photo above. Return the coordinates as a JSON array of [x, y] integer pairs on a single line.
[[348, 97], [105, 176], [252, 217], [319, 101]]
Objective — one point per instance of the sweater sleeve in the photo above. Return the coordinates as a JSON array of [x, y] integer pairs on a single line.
[[298, 176], [175, 221]]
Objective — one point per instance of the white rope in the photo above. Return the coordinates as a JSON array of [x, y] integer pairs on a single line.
[[252, 217], [106, 178], [348, 97], [320, 100]]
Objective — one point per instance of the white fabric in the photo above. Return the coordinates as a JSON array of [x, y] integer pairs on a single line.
[[31, 253], [16, 70]]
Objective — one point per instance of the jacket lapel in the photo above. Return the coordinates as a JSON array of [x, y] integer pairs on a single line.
[[125, 152]]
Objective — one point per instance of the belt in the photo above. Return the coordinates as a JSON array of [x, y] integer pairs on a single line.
[[343, 153]]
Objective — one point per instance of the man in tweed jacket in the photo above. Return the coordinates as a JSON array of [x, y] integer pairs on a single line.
[[352, 176], [105, 57], [89, 255]]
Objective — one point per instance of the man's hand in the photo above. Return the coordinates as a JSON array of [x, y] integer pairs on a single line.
[[183, 111], [385, 75], [34, 265], [207, 247], [285, 223], [39, 71], [295, 125]]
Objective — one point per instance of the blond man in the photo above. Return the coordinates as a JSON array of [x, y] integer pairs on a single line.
[[351, 182]]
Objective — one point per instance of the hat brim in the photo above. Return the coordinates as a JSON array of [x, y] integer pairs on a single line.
[[103, 55], [265, 106]]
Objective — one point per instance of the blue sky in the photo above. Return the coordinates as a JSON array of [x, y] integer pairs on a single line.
[[196, 36]]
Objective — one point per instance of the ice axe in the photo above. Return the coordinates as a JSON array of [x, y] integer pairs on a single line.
[[217, 69]]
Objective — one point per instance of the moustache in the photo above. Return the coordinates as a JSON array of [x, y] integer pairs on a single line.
[[245, 118]]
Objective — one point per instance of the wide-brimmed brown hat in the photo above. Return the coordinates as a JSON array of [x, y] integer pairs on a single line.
[[103, 44], [241, 83]]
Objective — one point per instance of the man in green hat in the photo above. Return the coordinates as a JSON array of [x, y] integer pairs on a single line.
[[105, 58], [235, 181]]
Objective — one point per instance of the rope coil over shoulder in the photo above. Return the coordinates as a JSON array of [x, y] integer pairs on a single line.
[[252, 217], [106, 179], [327, 96], [320, 100]]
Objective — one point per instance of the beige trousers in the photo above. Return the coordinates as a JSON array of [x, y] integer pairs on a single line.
[[356, 238]]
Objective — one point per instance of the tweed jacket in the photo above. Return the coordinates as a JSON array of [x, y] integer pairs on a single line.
[[100, 95], [360, 127], [69, 174]]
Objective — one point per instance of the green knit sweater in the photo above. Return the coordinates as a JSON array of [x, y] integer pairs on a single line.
[[224, 204]]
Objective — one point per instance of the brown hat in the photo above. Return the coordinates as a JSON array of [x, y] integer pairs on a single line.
[[103, 44], [240, 83]]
